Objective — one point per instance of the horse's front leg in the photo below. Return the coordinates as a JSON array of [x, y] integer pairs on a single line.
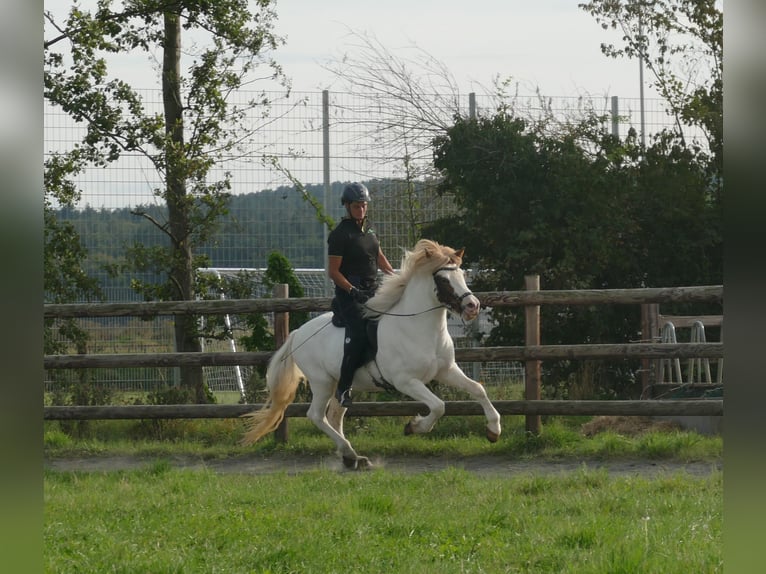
[[417, 390], [455, 377]]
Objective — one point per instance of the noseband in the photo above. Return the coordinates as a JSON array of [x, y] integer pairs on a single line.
[[445, 293]]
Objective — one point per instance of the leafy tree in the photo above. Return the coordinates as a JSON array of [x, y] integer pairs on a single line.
[[586, 210], [583, 210], [681, 44], [533, 197], [188, 142], [261, 337], [66, 280], [278, 271]]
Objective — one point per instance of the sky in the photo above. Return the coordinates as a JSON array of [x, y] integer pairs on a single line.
[[550, 44], [547, 45]]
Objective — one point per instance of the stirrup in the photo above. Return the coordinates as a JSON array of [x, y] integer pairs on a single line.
[[344, 397]]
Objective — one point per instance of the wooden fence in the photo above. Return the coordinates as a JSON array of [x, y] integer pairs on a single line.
[[531, 353]]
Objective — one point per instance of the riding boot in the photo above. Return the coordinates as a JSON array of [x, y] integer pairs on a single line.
[[352, 357]]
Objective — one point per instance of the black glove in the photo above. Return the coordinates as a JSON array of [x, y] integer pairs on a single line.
[[359, 295]]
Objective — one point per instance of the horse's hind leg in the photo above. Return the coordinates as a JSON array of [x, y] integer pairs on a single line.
[[327, 416], [335, 414], [456, 378]]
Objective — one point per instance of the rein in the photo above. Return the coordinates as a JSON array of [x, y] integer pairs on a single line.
[[443, 305], [385, 384], [404, 314]]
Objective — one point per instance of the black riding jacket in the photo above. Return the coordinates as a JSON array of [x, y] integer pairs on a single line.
[[359, 249]]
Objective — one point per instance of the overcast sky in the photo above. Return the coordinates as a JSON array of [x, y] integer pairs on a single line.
[[550, 44]]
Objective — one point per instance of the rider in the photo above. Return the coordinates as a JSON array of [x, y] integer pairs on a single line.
[[354, 259]]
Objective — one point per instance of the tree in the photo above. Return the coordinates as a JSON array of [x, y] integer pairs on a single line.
[[528, 201], [583, 210], [410, 99], [586, 210], [65, 280], [188, 142], [681, 44], [261, 335]]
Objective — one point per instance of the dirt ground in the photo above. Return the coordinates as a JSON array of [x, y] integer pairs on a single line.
[[484, 465], [294, 464]]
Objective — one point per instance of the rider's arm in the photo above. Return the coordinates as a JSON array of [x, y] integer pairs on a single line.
[[383, 263], [333, 270]]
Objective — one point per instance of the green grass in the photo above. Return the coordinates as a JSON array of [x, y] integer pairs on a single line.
[[162, 520], [561, 438]]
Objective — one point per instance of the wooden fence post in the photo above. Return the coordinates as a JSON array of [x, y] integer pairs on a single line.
[[649, 330], [281, 330], [532, 379]]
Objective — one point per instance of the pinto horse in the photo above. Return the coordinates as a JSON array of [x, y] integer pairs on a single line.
[[414, 348]]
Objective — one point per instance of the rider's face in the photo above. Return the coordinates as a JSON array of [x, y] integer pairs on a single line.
[[357, 209]]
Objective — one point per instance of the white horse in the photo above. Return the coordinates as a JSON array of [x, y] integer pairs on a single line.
[[414, 348]]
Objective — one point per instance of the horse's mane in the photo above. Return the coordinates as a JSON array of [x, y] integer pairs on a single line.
[[426, 257]]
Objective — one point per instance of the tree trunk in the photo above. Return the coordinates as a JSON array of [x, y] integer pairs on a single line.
[[182, 270]]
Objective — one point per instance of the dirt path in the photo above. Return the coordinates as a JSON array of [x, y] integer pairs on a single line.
[[293, 464], [486, 464]]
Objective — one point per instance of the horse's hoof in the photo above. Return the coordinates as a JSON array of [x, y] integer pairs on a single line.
[[492, 436], [359, 463], [363, 463], [408, 430]]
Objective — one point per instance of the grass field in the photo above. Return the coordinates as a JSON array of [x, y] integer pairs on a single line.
[[562, 437], [162, 519]]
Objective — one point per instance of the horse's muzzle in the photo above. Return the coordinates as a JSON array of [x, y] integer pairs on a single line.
[[470, 307]]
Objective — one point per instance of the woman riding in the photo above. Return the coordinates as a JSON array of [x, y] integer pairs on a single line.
[[354, 259]]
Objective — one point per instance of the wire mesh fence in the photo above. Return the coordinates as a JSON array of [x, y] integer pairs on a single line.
[[310, 139]]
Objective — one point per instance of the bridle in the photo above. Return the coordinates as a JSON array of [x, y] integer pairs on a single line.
[[451, 301]]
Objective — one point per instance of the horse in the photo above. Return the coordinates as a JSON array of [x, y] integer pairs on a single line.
[[414, 348]]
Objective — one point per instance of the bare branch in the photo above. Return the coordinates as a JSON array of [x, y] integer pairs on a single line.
[[163, 227]]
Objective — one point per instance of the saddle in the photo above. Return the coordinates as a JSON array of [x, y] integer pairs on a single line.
[[371, 347]]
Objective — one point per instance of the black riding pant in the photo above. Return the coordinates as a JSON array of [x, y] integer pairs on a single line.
[[355, 341]]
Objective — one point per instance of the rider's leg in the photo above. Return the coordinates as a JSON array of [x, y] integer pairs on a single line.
[[353, 357], [354, 344]]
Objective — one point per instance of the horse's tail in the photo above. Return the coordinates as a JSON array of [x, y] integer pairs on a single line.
[[282, 379]]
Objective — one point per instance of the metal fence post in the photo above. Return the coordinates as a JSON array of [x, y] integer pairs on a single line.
[[326, 178]]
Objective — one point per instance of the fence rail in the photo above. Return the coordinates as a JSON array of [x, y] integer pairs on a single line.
[[400, 408], [706, 293], [531, 353], [473, 354]]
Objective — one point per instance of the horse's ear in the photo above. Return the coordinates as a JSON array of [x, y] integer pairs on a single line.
[[459, 252]]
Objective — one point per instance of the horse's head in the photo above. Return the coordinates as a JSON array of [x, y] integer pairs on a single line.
[[452, 291]]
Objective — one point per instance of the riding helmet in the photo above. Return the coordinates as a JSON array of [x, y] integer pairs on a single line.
[[354, 192]]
